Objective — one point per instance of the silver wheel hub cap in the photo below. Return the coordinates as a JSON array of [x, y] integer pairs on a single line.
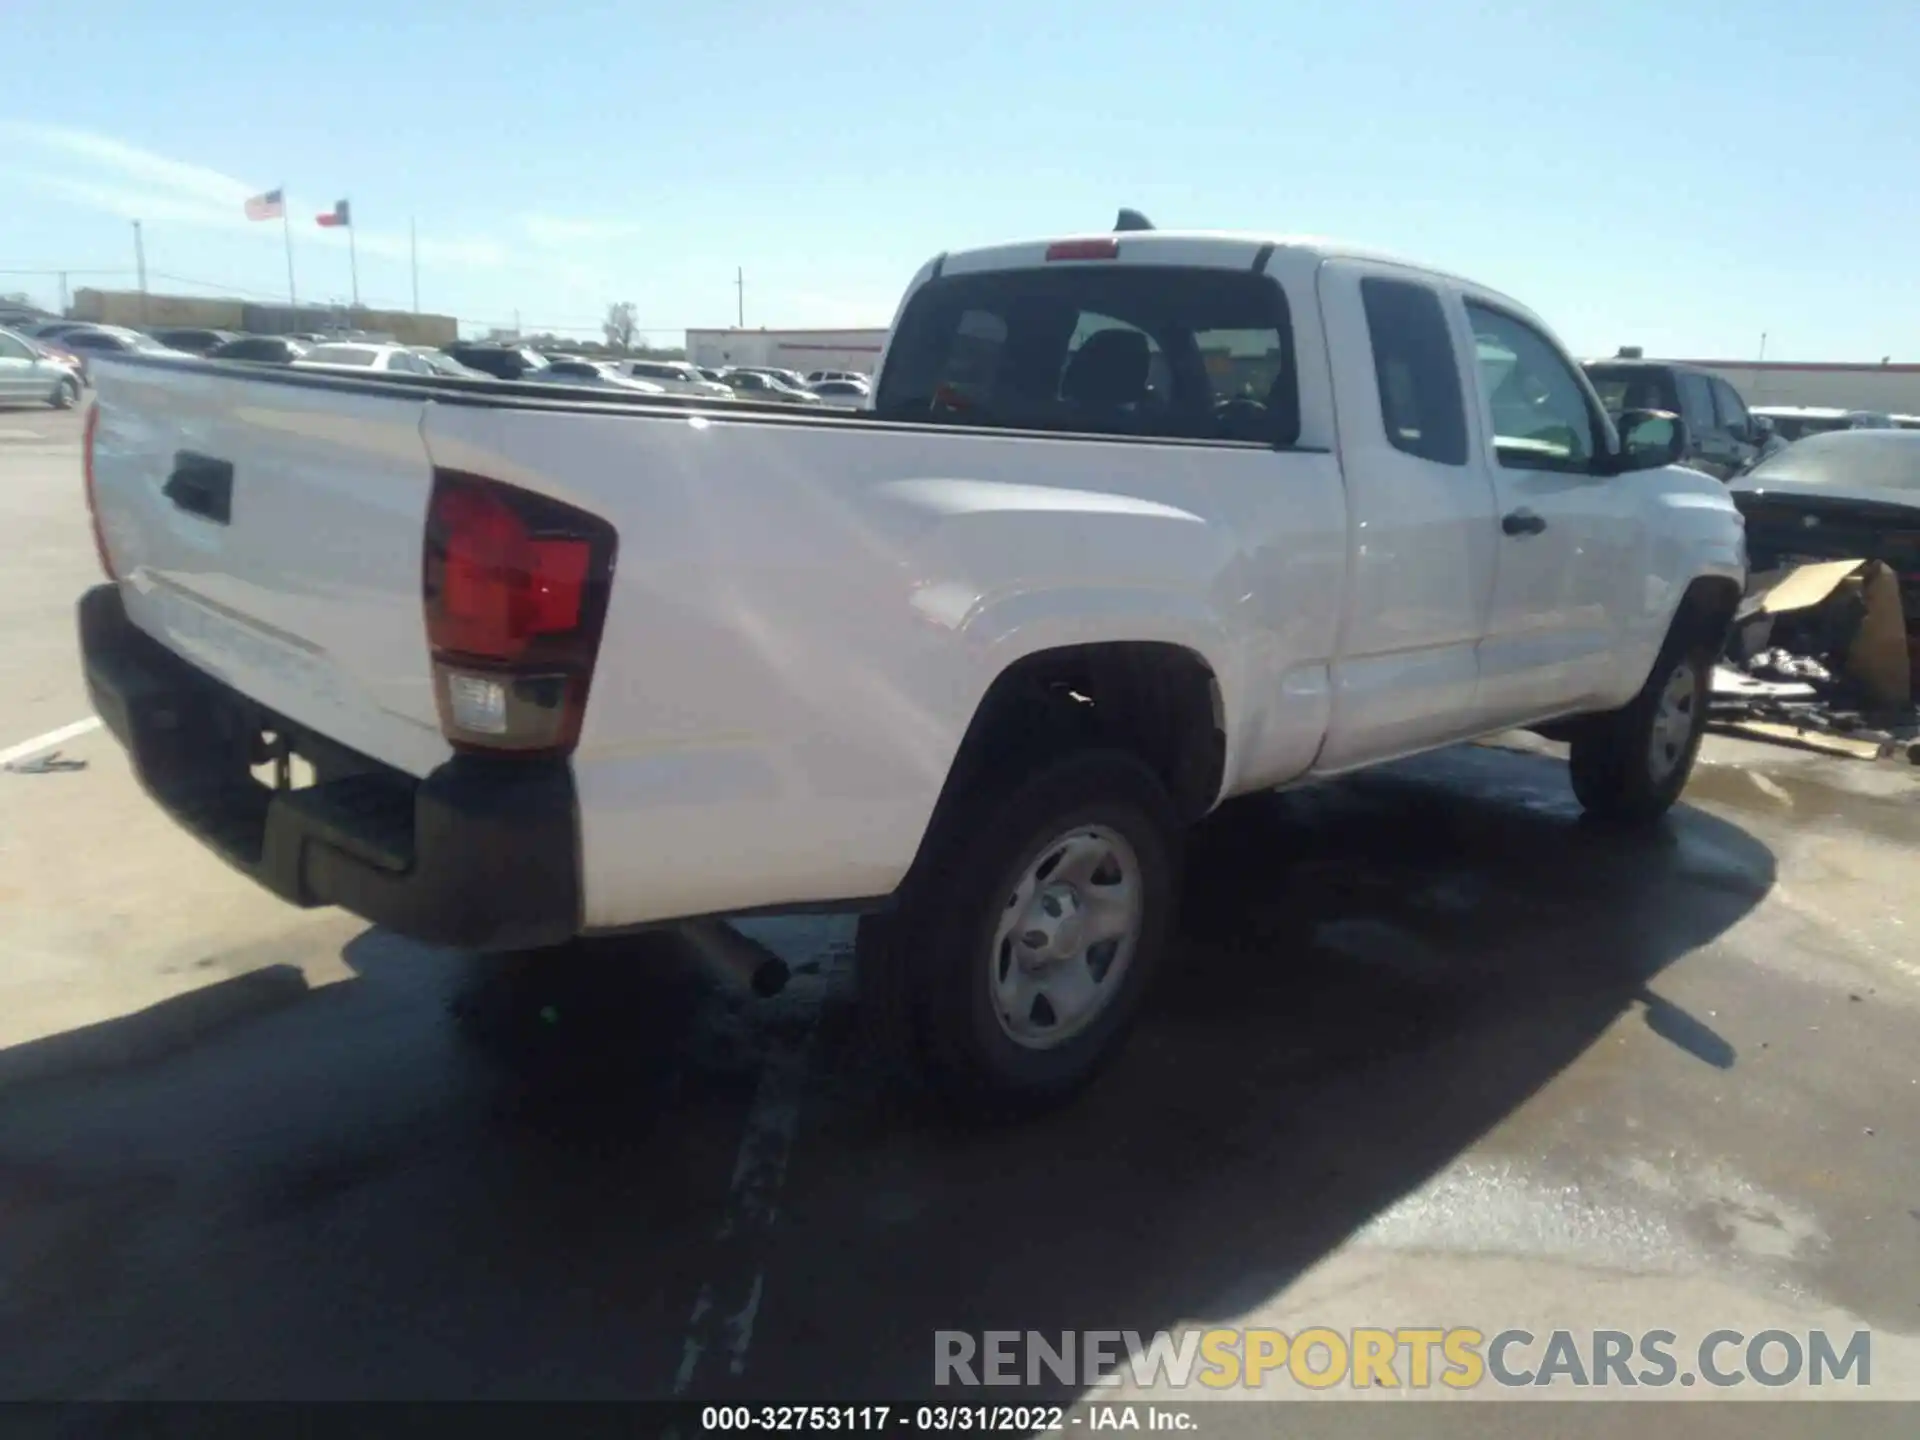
[[1674, 719], [1065, 940]]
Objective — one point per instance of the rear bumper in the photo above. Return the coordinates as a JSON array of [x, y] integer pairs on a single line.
[[481, 854]]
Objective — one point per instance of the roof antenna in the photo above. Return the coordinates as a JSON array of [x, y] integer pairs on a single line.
[[1132, 220]]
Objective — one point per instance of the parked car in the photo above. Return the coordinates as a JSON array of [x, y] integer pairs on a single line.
[[969, 679], [1724, 438], [1838, 495], [708, 372], [503, 362], [845, 394], [54, 350], [1905, 422], [675, 376], [30, 375], [571, 370], [48, 329], [397, 359], [814, 377], [261, 349], [88, 341], [192, 341], [441, 363], [792, 379], [1796, 422], [762, 385]]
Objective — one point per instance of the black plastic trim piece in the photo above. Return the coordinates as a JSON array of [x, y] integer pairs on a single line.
[[1260, 260], [482, 854]]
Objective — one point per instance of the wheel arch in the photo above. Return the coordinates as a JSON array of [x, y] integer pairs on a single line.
[[1707, 608], [1160, 700]]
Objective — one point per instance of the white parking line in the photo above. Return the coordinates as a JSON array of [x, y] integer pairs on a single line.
[[728, 1303], [49, 740]]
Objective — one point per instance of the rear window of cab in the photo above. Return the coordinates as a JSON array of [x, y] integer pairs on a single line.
[[1147, 351]]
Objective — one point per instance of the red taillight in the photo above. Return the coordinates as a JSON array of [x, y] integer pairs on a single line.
[[93, 506], [515, 587], [1104, 249]]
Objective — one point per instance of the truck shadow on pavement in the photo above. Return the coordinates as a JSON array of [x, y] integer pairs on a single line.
[[1371, 976], [349, 1197]]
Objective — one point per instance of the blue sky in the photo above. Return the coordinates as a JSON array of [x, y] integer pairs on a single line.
[[1678, 175]]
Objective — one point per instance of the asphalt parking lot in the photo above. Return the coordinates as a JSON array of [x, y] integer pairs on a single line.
[[1432, 1052]]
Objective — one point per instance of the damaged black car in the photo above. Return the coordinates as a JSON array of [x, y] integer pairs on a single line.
[[1847, 494]]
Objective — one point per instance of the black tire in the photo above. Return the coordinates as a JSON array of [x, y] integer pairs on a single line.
[[925, 965], [1616, 775], [66, 395]]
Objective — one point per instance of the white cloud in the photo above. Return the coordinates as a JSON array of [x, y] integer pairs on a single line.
[[102, 173], [118, 198], [573, 230], [152, 172]]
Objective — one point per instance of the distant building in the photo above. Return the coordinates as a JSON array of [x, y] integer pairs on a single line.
[[1887, 388], [140, 310], [802, 350]]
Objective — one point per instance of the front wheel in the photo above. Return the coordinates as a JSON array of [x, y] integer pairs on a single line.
[[1016, 960], [66, 394], [1631, 765]]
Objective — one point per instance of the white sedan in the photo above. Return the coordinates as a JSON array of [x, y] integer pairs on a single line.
[[28, 373], [675, 376], [566, 370], [844, 394], [343, 356]]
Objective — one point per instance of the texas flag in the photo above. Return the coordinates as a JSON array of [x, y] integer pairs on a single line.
[[341, 214]]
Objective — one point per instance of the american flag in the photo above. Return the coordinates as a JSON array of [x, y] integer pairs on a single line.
[[270, 206]]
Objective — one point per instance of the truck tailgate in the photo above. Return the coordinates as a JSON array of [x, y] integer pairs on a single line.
[[271, 535]]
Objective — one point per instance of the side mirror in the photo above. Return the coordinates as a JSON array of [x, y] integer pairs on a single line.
[[1650, 439], [1761, 429]]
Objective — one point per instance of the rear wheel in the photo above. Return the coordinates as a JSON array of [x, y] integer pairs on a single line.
[[66, 395], [1015, 962], [1631, 765]]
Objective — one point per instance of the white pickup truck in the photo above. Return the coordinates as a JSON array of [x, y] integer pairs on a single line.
[[1138, 522]]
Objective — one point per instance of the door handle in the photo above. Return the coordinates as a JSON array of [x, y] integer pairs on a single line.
[[1522, 522], [201, 485]]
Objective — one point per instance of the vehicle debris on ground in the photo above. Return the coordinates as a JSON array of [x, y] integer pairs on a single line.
[[1820, 657]]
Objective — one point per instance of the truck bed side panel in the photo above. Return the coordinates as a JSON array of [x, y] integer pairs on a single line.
[[805, 617]]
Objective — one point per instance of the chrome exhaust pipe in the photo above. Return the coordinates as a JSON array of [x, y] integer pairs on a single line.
[[746, 962]]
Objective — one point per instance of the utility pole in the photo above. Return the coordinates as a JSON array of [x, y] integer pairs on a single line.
[[740, 291], [140, 267], [63, 292], [413, 253], [1758, 363]]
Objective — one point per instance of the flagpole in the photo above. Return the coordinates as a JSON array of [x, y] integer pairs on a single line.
[[286, 228], [353, 261]]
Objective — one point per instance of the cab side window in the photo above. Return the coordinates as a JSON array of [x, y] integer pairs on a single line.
[[1733, 410], [1696, 403], [1415, 370], [1541, 416]]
